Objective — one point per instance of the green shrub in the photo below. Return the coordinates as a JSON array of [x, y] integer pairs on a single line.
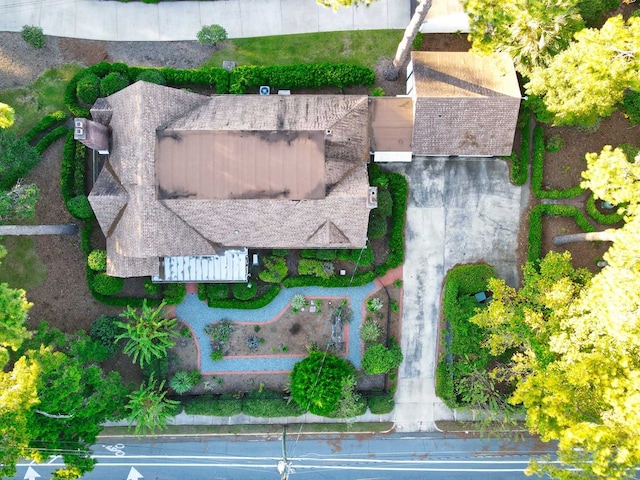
[[280, 252], [267, 404], [307, 266], [152, 288], [220, 331], [591, 11], [316, 382], [44, 124], [370, 331], [216, 354], [602, 218], [211, 35], [418, 41], [385, 203], [183, 381], [17, 159], [328, 254], [104, 329], [258, 302], [80, 208], [535, 104], [377, 226], [444, 384], [377, 92], [275, 270], [554, 143], [151, 76], [107, 285], [381, 404], [244, 291], [631, 106], [97, 260], [34, 36], [379, 359], [520, 163], [363, 256], [88, 88], [112, 83], [216, 291], [213, 405], [85, 238], [174, 293], [156, 368]]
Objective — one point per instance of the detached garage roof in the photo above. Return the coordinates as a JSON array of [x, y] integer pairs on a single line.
[[465, 104]]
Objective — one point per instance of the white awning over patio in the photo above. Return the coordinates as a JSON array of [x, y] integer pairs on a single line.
[[232, 266]]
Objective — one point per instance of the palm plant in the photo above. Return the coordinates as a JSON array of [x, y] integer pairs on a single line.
[[149, 408], [149, 334]]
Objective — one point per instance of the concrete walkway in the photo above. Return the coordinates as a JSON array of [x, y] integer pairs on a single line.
[[459, 211], [137, 21]]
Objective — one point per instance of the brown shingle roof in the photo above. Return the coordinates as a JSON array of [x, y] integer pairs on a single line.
[[140, 227], [465, 104]]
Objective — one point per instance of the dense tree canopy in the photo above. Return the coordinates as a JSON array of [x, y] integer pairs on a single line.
[[317, 382], [586, 81], [577, 341], [7, 115], [530, 31]]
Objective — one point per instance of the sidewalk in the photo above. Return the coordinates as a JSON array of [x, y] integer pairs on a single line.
[[165, 21]]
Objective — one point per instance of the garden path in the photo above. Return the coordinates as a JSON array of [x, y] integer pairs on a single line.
[[196, 314]]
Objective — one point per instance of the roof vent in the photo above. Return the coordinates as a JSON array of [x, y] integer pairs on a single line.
[[79, 131], [328, 132], [78, 123], [265, 90]]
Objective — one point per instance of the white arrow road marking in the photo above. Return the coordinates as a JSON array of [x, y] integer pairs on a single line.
[[31, 474], [133, 474]]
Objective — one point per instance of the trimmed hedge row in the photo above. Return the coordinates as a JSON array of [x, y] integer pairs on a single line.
[[537, 171], [51, 137], [308, 75], [444, 384], [72, 169], [83, 82], [598, 216], [44, 124], [534, 252], [268, 404], [282, 76], [520, 163], [258, 302]]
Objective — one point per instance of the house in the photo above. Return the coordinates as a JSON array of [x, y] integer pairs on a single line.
[[192, 181], [464, 104]]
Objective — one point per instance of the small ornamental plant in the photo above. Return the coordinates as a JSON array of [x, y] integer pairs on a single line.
[[374, 305], [211, 35], [34, 36]]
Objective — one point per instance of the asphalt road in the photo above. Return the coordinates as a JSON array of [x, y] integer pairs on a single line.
[[363, 456]]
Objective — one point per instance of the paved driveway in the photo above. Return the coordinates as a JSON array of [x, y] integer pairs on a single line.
[[459, 211]]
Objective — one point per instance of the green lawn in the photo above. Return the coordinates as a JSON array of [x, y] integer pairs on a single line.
[[42, 97], [362, 47], [22, 267]]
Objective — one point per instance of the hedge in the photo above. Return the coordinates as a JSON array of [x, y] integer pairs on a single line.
[[258, 302], [520, 163], [112, 83], [174, 293], [308, 75], [80, 208], [380, 404], [537, 171], [44, 124], [116, 301], [268, 404], [217, 406], [329, 254], [534, 251], [107, 285], [72, 169], [244, 291], [217, 78], [377, 225], [51, 137], [598, 216], [314, 268], [444, 384]]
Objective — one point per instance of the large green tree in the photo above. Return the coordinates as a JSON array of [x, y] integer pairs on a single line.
[[530, 31], [577, 361], [317, 382], [149, 409], [586, 81]]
